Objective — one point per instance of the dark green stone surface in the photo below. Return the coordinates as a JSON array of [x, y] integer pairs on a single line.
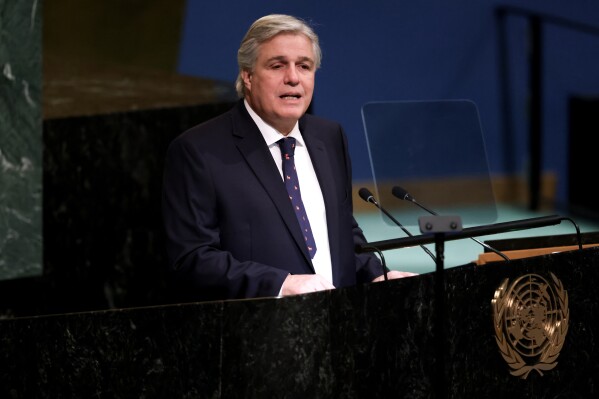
[[20, 139]]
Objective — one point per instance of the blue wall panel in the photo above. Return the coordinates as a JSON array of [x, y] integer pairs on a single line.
[[426, 50]]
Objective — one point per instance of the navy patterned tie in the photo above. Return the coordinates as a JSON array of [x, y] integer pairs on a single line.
[[292, 183]]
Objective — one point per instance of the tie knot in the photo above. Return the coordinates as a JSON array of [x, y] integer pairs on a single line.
[[287, 146]]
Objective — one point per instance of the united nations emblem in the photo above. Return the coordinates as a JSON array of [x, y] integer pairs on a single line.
[[531, 319]]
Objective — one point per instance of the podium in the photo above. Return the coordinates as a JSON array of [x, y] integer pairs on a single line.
[[534, 246], [369, 341]]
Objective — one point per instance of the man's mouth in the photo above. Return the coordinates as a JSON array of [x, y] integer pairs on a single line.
[[290, 96]]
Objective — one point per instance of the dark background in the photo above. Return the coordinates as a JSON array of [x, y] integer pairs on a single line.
[[380, 51]]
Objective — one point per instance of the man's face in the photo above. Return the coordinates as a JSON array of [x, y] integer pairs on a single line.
[[280, 87]]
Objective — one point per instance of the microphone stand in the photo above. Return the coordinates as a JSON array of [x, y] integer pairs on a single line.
[[439, 226], [439, 329]]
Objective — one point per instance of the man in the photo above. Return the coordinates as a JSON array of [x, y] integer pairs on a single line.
[[232, 231]]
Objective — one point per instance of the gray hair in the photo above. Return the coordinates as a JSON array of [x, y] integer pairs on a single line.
[[264, 29]]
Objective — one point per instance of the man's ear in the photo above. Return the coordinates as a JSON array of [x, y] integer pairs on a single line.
[[246, 76]]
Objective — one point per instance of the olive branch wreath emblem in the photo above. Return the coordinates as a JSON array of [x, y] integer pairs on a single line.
[[531, 320]]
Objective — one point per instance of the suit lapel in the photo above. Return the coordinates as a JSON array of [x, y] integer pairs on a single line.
[[319, 154]]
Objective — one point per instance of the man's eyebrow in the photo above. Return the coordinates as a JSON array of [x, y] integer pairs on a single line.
[[283, 58], [306, 59]]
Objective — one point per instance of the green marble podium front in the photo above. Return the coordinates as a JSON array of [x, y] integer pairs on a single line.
[[370, 341]]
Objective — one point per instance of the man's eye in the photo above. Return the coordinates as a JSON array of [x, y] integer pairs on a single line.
[[306, 67]]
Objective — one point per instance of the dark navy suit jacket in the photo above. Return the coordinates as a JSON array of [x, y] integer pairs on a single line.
[[231, 231]]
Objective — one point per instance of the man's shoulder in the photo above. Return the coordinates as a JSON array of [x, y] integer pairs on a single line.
[[214, 126], [311, 120]]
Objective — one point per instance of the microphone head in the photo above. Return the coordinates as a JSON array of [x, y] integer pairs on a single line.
[[401, 193], [365, 194]]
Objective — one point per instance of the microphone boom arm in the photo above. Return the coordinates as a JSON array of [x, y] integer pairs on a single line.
[[409, 198], [468, 232]]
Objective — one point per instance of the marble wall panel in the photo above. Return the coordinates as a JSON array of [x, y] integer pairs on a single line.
[[20, 139], [103, 237]]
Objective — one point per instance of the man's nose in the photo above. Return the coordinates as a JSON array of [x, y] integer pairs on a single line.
[[292, 77]]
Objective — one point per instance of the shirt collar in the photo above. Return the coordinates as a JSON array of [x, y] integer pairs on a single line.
[[270, 134]]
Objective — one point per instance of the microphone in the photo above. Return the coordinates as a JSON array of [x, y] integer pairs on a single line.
[[367, 196], [403, 194]]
